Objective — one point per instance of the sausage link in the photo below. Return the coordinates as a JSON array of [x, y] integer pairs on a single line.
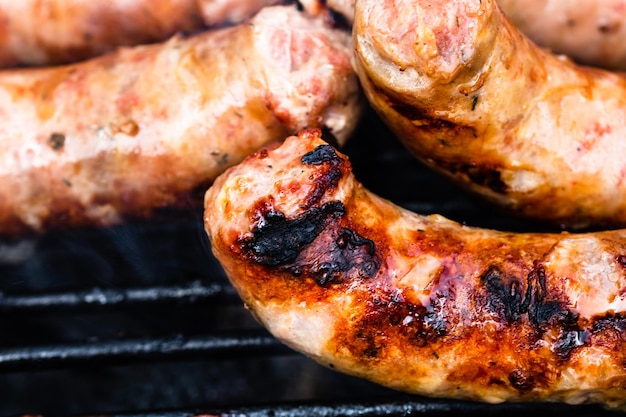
[[48, 32], [418, 303], [472, 97], [592, 32], [127, 133]]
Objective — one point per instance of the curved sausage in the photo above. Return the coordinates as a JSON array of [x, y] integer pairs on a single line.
[[125, 134], [469, 95], [418, 303], [592, 32], [47, 32]]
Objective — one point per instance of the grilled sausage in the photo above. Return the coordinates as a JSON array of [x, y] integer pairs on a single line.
[[130, 132], [469, 95], [46, 32], [418, 303], [592, 32]]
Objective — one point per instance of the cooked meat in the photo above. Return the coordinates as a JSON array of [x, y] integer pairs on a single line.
[[139, 129], [469, 95], [418, 303], [591, 32], [45, 32]]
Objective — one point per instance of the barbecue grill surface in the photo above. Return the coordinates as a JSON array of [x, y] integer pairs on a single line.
[[140, 320]]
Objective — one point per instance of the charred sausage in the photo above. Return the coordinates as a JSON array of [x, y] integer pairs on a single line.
[[36, 32], [592, 32], [418, 303], [122, 135], [469, 95]]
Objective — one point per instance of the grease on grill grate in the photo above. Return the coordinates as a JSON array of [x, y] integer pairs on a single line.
[[140, 320]]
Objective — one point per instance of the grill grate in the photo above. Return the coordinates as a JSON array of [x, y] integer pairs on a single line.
[[137, 319], [216, 346], [193, 292], [406, 408]]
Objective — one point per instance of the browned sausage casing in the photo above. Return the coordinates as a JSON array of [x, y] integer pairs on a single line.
[[592, 32], [121, 135], [419, 304], [471, 96], [46, 32]]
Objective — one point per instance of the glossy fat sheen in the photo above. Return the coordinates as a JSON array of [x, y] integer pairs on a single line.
[[420, 304], [47, 32], [125, 134], [471, 96], [592, 32]]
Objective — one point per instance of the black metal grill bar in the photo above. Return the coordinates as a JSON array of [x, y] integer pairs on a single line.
[[240, 344], [99, 298], [402, 408]]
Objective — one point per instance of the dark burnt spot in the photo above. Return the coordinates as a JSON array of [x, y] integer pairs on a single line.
[[312, 245], [346, 256], [506, 298], [544, 312], [326, 179], [548, 311], [503, 297], [435, 320], [611, 328], [568, 341], [349, 237], [615, 321], [521, 380], [278, 241], [57, 141], [321, 154], [621, 259]]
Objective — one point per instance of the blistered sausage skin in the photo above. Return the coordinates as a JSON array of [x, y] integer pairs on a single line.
[[130, 132], [418, 303], [48, 32], [592, 32], [469, 95]]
